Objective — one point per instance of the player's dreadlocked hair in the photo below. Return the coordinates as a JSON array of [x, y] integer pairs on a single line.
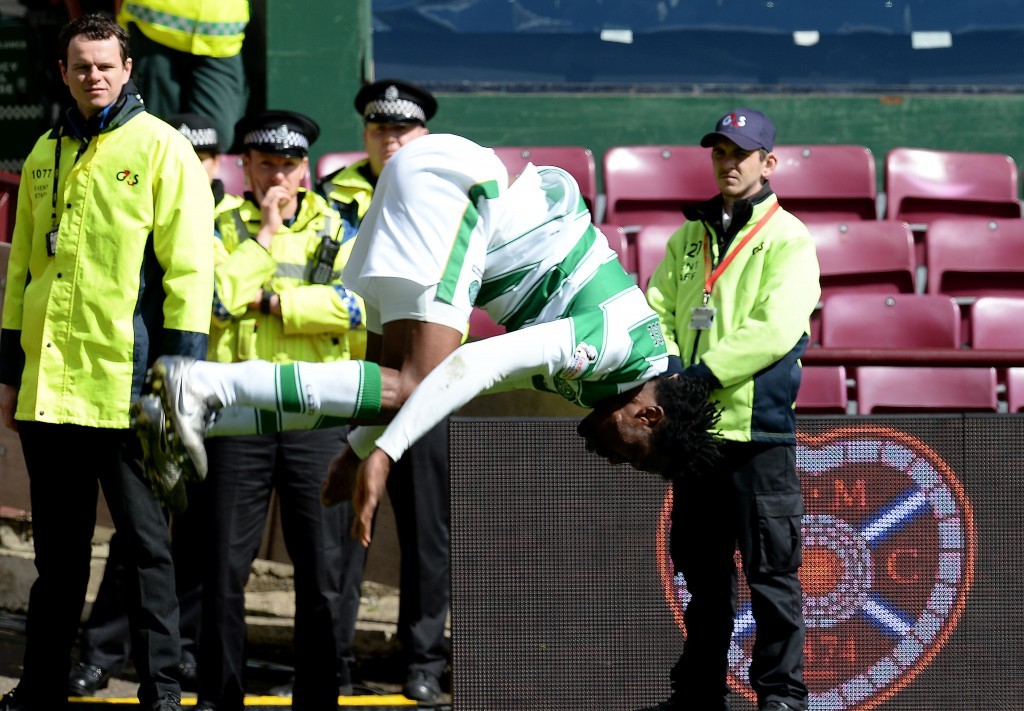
[[689, 429]]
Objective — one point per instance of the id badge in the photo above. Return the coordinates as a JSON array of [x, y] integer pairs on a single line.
[[51, 243], [701, 318]]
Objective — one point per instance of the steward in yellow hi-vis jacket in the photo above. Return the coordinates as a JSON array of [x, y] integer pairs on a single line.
[[125, 275], [111, 266], [734, 294]]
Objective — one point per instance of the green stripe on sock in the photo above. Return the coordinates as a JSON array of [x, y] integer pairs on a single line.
[[267, 422], [289, 393], [368, 397]]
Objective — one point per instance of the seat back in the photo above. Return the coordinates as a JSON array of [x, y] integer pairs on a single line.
[[9, 183], [826, 182], [620, 241], [922, 185], [822, 390], [874, 256], [481, 325], [575, 160], [975, 257], [890, 321], [650, 250], [997, 322], [884, 389], [332, 162], [1015, 389], [646, 185], [232, 174]]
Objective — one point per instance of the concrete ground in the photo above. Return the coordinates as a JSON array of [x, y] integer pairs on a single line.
[[270, 611]]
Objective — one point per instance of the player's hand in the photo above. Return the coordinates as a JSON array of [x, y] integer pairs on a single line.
[[370, 481], [341, 478]]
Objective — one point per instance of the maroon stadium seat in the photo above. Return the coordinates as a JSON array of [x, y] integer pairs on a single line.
[[923, 185], [646, 185], [997, 322], [822, 390], [890, 321], [826, 182], [621, 242], [1015, 389], [575, 160], [332, 162], [650, 250], [866, 256], [885, 389]]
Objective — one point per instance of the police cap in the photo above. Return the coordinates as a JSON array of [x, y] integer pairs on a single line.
[[199, 130], [286, 133], [395, 101]]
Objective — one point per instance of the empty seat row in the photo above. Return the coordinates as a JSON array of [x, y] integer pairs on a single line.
[[906, 389]]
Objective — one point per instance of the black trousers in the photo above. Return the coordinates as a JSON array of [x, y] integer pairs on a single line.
[[751, 502], [419, 490], [243, 472], [66, 466], [105, 641]]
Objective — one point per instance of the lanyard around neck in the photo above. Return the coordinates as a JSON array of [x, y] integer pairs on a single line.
[[711, 275]]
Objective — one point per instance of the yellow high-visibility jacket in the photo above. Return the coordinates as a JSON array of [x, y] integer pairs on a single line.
[[131, 276], [212, 28], [315, 318], [763, 302]]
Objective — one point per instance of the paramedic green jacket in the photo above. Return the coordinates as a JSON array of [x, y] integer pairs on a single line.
[[316, 318], [763, 301], [131, 277]]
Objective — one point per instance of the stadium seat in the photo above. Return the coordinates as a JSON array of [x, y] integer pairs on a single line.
[[881, 321], [232, 174], [1015, 389], [976, 257], [997, 322], [9, 183], [864, 256], [332, 162], [576, 160], [923, 185], [968, 258], [826, 182], [622, 244], [481, 325], [647, 185], [822, 390], [650, 250], [888, 389]]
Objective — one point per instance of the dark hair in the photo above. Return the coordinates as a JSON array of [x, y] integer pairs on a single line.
[[94, 26], [688, 432]]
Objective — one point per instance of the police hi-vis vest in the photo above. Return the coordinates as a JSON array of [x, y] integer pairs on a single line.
[[211, 28]]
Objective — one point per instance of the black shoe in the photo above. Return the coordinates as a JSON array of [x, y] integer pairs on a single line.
[[188, 676], [422, 686], [87, 679], [171, 703], [777, 706], [10, 702]]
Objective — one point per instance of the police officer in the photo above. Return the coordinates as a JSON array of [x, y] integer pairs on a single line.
[[394, 113], [278, 297]]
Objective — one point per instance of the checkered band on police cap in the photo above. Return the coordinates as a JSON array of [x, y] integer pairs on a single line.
[[280, 138], [395, 101], [198, 129], [282, 132]]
